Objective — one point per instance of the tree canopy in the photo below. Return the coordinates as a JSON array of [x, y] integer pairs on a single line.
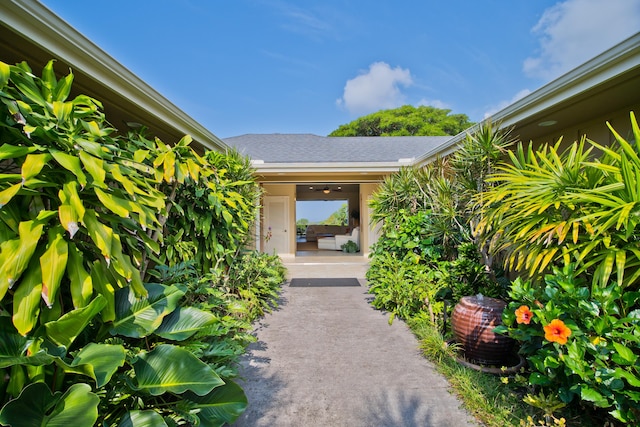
[[406, 121]]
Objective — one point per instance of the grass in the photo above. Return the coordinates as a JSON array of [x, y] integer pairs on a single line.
[[494, 401], [485, 396]]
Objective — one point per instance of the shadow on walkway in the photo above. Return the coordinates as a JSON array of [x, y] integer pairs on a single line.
[[325, 357]]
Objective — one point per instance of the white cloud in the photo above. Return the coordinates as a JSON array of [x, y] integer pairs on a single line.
[[503, 104], [376, 89], [434, 103], [574, 31]]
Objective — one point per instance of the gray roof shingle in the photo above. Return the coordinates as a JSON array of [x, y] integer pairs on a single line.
[[309, 148]]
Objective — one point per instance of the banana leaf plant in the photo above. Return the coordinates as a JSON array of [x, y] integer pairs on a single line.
[[85, 340]]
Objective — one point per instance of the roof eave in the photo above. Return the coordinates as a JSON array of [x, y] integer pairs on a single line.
[[602, 68], [342, 167]]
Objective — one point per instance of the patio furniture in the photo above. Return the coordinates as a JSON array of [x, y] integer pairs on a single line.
[[335, 243], [313, 232]]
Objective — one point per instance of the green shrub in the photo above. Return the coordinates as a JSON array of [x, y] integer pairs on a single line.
[[599, 362], [402, 287], [571, 218], [551, 208], [82, 212]]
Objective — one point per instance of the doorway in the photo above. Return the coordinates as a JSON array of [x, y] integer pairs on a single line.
[[323, 211]]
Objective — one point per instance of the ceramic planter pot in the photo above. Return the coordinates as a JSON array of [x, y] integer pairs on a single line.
[[473, 320]]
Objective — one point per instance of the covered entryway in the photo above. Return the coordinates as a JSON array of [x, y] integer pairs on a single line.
[[311, 167], [327, 216]]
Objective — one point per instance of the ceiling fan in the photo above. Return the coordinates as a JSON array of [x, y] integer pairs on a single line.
[[326, 189]]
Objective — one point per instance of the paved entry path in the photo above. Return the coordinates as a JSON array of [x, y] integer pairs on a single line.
[[325, 357]]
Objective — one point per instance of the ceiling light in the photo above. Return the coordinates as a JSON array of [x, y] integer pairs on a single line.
[[326, 190], [547, 123]]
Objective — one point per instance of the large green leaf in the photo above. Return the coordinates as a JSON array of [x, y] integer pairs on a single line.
[[184, 322], [101, 234], [137, 317], [222, 406], [53, 263], [102, 284], [16, 254], [142, 419], [95, 167], [8, 193], [8, 151], [65, 330], [102, 360], [81, 284], [33, 164], [173, 369], [38, 407], [72, 164], [13, 348], [26, 299]]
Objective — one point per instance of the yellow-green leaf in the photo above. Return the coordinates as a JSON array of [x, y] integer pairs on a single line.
[[115, 204], [194, 170], [81, 285], [93, 128], [69, 195], [125, 268], [140, 155], [101, 235], [53, 264], [63, 88], [7, 194], [95, 167], [169, 166], [15, 254], [33, 164], [72, 164], [102, 285], [621, 259], [62, 110], [26, 300], [126, 183], [49, 76], [5, 72], [69, 219], [159, 160], [8, 249]]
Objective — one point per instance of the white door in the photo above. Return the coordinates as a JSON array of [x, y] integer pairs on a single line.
[[276, 224]]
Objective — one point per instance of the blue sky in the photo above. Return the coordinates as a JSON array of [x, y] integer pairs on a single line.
[[277, 66], [317, 211]]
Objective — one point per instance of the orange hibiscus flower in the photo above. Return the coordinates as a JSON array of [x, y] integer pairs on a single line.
[[523, 315], [557, 331]]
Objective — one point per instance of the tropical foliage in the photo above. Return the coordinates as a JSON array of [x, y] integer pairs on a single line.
[[566, 220], [101, 324], [406, 121], [553, 207]]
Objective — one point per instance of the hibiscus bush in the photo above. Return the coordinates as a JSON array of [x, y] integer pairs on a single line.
[[580, 341]]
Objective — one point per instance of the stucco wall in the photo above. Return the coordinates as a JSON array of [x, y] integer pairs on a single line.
[[595, 129], [369, 232]]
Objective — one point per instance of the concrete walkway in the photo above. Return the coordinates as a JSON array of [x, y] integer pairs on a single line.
[[327, 358]]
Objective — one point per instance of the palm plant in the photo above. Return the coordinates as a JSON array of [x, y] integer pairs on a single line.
[[404, 190], [550, 206]]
